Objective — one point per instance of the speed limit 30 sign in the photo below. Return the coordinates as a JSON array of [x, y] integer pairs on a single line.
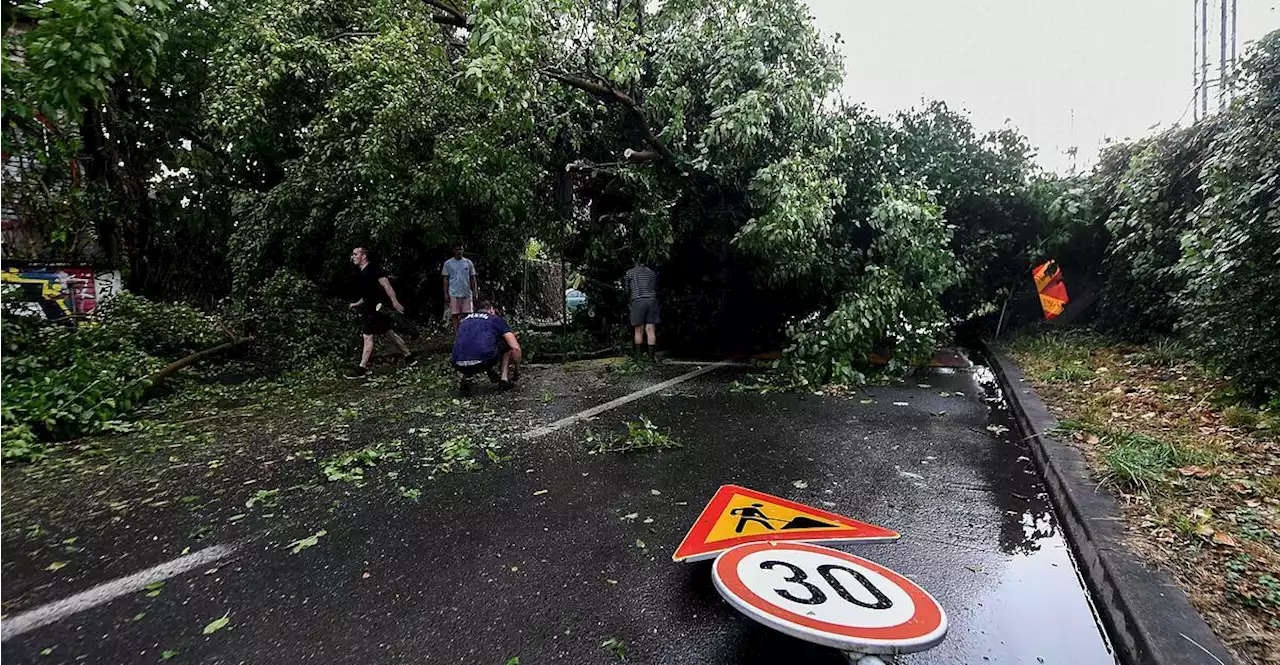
[[829, 597]]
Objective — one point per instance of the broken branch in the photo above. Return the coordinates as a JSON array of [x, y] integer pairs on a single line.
[[606, 92], [452, 16], [196, 357]]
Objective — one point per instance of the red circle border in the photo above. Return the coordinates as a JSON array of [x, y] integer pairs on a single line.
[[927, 619]]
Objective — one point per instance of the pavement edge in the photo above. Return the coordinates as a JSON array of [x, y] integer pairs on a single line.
[[1149, 618]]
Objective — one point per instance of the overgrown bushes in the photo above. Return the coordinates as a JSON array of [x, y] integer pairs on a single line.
[[293, 323], [1231, 255], [62, 381], [1159, 194], [1194, 222], [894, 305]]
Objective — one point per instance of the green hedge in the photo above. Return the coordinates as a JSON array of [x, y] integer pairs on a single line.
[[1194, 222]]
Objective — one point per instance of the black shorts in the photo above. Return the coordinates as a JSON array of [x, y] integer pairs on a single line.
[[645, 311], [473, 367], [375, 323]]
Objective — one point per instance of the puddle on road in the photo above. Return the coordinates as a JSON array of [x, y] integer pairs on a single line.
[[1041, 584]]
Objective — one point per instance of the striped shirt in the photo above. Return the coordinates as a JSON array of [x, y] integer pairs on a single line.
[[641, 283]]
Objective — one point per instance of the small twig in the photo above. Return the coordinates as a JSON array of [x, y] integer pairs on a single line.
[[584, 165], [86, 389], [344, 35], [1210, 653], [227, 329]]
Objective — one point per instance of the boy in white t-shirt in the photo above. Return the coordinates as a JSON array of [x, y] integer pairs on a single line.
[[460, 287]]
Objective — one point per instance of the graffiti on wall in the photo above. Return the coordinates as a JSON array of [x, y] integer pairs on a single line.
[[56, 291]]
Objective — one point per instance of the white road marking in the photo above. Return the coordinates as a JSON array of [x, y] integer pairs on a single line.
[[625, 399], [109, 591]]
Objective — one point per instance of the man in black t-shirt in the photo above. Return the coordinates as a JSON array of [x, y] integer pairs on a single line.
[[376, 295]]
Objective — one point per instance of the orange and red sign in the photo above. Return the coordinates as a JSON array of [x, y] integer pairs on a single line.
[[1052, 290]]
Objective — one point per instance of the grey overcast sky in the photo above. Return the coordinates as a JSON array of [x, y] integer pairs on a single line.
[[1122, 66]]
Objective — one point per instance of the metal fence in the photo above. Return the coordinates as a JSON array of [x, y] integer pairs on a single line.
[[542, 291]]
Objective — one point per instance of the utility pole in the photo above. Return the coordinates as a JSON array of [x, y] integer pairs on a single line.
[[1234, 37], [1222, 57], [1195, 60], [1204, 58], [1201, 62]]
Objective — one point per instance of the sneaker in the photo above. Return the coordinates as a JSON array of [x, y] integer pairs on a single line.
[[356, 372], [411, 360], [504, 384]]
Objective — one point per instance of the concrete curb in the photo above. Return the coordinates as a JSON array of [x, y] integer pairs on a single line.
[[1149, 619]]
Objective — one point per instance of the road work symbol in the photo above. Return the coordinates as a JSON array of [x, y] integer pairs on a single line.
[[738, 515], [752, 514]]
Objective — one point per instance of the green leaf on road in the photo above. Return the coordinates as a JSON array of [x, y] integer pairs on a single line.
[[309, 541], [168, 653], [57, 565], [154, 589], [617, 646], [514, 660], [217, 624], [46, 651]]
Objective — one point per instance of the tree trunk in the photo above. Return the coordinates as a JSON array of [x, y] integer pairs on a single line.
[[94, 156], [195, 358]]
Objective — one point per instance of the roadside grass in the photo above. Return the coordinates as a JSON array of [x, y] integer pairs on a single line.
[[1197, 472], [1139, 462], [1057, 349], [1241, 416], [1163, 353], [1065, 359], [1067, 374]]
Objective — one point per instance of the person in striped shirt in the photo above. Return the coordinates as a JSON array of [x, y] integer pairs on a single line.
[[642, 287]]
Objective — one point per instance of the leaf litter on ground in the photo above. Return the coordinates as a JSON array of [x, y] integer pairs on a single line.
[[1198, 475]]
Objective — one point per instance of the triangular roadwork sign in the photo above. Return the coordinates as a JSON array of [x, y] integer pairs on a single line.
[[738, 515]]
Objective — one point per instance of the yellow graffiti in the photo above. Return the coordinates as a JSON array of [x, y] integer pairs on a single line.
[[50, 289]]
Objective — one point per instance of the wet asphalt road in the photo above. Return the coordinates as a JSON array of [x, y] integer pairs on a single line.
[[487, 567]]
